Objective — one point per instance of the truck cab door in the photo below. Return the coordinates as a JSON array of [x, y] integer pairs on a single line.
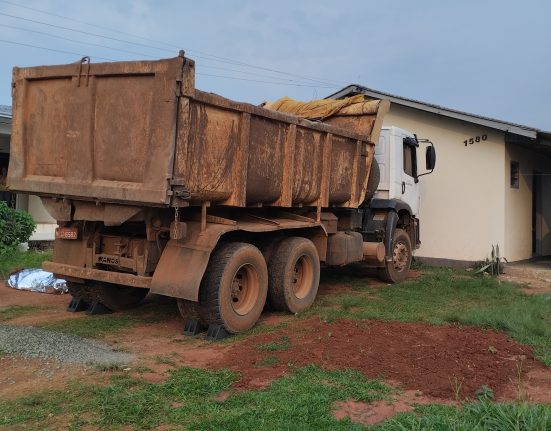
[[409, 186]]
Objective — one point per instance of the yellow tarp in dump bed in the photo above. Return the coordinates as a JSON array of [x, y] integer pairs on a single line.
[[324, 108]]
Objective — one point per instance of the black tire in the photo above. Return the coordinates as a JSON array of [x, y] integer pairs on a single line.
[[293, 275], [113, 296], [397, 270], [234, 287], [373, 181], [189, 310]]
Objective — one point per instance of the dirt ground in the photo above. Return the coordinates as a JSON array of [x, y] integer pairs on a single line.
[[429, 364], [536, 276]]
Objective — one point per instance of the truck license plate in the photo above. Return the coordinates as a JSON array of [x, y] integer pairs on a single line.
[[66, 233]]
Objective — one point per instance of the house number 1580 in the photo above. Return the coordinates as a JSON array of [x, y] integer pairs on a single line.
[[471, 141]]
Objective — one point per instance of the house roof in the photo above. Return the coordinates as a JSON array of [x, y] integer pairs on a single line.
[[5, 111], [517, 129]]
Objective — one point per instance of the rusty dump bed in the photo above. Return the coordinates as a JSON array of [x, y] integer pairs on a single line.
[[140, 133]]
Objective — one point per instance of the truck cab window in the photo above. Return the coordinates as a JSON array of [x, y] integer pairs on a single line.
[[410, 160]]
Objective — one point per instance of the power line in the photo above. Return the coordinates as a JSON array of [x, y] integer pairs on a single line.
[[201, 74], [141, 53], [265, 82], [250, 73], [200, 54], [76, 41], [84, 32], [86, 23], [51, 49]]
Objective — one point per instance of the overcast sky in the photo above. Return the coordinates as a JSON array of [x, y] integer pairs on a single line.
[[486, 57]]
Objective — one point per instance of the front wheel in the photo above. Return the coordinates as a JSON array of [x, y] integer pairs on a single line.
[[397, 269], [234, 288]]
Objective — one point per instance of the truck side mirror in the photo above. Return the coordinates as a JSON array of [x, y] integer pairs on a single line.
[[430, 158]]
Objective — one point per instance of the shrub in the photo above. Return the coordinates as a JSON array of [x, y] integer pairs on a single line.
[[15, 227]]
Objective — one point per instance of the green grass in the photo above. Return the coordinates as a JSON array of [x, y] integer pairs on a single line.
[[300, 401], [444, 296], [481, 416], [12, 312], [21, 260]]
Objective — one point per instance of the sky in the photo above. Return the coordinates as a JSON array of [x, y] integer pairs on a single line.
[[490, 58]]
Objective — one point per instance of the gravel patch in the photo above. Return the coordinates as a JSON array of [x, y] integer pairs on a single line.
[[45, 344]]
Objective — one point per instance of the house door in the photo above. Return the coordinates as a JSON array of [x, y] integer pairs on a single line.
[[536, 214]]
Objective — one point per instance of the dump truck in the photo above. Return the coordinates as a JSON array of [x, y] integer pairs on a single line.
[[159, 187]]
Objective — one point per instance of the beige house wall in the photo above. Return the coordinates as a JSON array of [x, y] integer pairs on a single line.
[[518, 204], [463, 200]]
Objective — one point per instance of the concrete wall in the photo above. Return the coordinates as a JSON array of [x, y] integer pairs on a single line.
[[463, 200], [518, 204]]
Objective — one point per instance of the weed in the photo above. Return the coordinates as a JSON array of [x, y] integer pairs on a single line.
[[111, 368], [519, 383], [268, 361], [283, 344], [457, 385], [166, 360], [484, 393]]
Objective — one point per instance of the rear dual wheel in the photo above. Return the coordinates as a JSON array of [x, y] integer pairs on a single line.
[[234, 287], [294, 273]]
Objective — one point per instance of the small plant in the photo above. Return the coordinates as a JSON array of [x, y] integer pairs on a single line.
[[165, 360], [521, 394], [283, 344], [457, 385], [484, 393], [492, 349], [494, 265], [15, 227], [267, 361], [112, 368]]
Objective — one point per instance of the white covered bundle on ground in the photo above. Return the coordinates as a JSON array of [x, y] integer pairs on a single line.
[[37, 280]]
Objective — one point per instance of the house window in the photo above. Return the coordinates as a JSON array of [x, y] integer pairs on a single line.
[[515, 169]]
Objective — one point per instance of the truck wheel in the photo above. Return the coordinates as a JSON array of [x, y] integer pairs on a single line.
[[294, 275], [397, 270], [189, 310], [113, 296], [234, 288]]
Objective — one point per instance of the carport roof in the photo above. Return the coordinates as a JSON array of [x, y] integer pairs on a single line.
[[517, 129], [5, 111]]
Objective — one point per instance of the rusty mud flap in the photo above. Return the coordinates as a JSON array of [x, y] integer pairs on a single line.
[[76, 272]]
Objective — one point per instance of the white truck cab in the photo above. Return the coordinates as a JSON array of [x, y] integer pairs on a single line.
[[396, 154], [392, 207]]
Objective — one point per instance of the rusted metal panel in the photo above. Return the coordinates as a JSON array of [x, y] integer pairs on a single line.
[[79, 273], [139, 133], [106, 136]]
